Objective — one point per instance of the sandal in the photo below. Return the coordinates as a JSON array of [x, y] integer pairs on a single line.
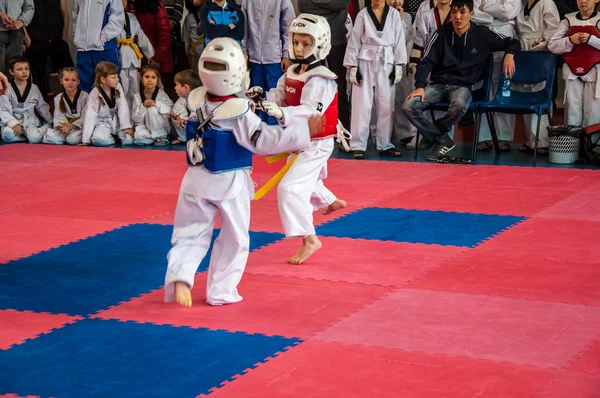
[[503, 146], [454, 160], [525, 148], [484, 146], [390, 152], [358, 155], [161, 142]]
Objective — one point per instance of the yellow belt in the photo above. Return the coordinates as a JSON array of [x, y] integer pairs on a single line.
[[277, 177], [72, 119], [195, 43], [131, 43]]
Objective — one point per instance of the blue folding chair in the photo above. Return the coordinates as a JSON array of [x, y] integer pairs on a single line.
[[532, 67], [480, 92]]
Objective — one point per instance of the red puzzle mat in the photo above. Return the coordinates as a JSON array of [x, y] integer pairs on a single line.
[[517, 315]]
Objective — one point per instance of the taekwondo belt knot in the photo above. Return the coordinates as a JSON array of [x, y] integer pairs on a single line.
[[131, 43]]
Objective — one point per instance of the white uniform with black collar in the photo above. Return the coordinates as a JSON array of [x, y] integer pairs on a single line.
[[375, 49], [73, 114], [20, 110], [103, 119], [151, 124], [203, 195]]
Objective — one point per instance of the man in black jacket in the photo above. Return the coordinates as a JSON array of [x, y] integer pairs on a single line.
[[455, 57], [48, 31], [336, 12]]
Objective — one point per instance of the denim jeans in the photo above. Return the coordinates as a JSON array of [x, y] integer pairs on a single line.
[[458, 97], [11, 45]]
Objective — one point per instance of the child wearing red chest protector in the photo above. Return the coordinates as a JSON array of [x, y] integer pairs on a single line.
[[308, 88]]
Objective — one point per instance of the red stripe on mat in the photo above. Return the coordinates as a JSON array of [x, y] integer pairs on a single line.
[[31, 234], [18, 326], [461, 196], [532, 274], [352, 260], [572, 385], [494, 328], [325, 370], [272, 305]]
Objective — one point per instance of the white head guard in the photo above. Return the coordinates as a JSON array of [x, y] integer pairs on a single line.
[[234, 77], [317, 27]]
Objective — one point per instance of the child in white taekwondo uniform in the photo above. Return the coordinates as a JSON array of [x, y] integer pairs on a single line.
[[375, 54], [578, 40], [132, 51], [107, 112], [18, 120], [308, 88], [68, 110], [537, 22], [185, 82], [218, 181], [151, 110]]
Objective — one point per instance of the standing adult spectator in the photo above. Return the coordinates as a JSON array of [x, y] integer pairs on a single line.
[[96, 25], [336, 12], [14, 16], [154, 20], [48, 32], [175, 11]]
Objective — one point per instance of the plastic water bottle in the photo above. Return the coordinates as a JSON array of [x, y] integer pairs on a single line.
[[506, 89]]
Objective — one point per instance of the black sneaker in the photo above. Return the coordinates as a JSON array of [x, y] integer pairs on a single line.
[[425, 143], [444, 145]]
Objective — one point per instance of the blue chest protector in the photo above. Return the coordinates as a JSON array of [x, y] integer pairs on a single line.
[[220, 149]]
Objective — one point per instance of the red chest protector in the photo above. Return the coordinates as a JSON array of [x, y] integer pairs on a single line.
[[293, 93], [583, 57]]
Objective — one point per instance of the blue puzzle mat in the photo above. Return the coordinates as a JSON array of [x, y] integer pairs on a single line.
[[418, 226], [84, 277], [96, 358]]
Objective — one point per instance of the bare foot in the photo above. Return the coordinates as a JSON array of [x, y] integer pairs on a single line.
[[310, 245], [182, 294], [337, 205]]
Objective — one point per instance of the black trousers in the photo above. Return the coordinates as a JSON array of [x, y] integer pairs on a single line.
[[38, 53], [335, 62]]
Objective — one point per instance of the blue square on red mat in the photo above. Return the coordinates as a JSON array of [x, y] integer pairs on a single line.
[[84, 277], [97, 358], [418, 226]]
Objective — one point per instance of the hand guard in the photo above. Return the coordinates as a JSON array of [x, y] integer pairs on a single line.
[[355, 76], [396, 74], [256, 93], [194, 150], [272, 109], [343, 137]]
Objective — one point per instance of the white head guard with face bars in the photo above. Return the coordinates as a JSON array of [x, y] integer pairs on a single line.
[[234, 77], [318, 28]]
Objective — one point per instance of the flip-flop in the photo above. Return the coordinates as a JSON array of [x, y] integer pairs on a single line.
[[161, 142]]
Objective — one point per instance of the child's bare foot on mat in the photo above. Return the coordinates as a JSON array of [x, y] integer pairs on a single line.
[[182, 294], [310, 245], [337, 205]]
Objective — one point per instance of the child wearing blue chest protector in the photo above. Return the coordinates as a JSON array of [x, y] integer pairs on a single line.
[[218, 179]]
